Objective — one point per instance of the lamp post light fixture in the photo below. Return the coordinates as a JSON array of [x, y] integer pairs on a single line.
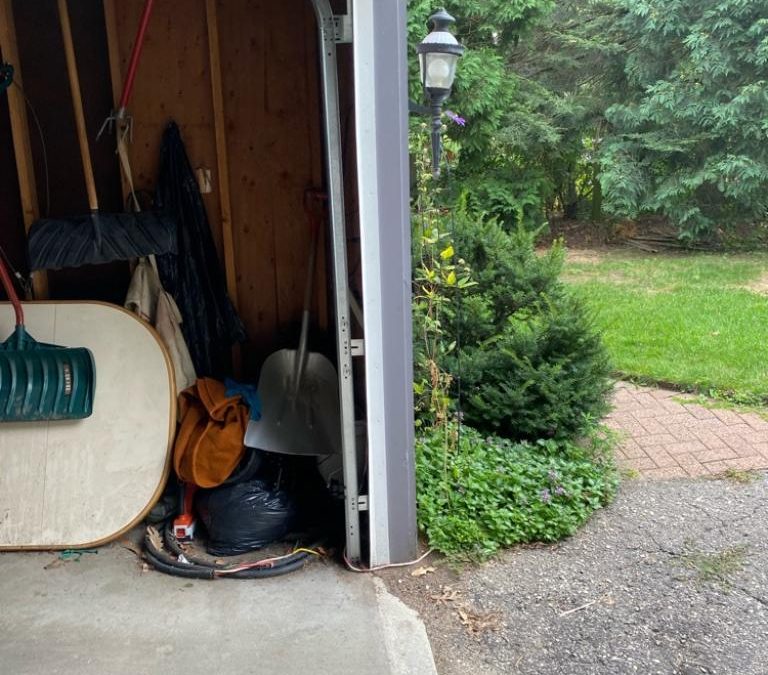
[[439, 53]]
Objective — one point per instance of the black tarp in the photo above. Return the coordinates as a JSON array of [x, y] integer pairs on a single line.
[[193, 276]]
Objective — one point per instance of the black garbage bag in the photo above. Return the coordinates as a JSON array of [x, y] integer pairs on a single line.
[[193, 274], [245, 516]]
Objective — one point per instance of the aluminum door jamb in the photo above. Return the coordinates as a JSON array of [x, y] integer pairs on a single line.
[[328, 37]]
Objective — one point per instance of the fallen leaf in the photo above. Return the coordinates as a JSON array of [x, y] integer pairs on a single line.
[[131, 546], [478, 622], [421, 571], [446, 595], [155, 537]]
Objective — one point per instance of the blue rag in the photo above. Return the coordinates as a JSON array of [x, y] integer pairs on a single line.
[[249, 394]]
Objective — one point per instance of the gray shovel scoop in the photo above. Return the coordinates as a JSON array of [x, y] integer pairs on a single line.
[[299, 393]]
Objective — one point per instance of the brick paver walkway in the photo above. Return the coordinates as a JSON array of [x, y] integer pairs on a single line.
[[662, 437]]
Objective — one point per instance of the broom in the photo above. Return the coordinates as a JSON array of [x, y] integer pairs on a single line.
[[97, 237]]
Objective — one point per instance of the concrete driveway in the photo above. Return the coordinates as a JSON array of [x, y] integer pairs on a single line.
[[671, 579]]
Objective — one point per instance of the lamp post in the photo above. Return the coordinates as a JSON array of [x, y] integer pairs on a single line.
[[439, 53]]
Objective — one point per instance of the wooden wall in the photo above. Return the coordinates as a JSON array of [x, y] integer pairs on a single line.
[[272, 115], [47, 90], [273, 139]]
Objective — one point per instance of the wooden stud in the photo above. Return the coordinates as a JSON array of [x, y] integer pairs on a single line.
[[291, 121], [252, 160], [115, 72], [113, 49], [222, 162], [20, 132]]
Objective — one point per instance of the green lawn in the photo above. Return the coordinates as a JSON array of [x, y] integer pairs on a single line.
[[698, 320]]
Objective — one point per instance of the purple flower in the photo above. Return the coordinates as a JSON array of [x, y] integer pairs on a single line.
[[559, 490], [553, 476], [545, 496], [457, 119]]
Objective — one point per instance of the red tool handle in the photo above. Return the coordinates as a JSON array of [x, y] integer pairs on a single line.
[[11, 291], [135, 54]]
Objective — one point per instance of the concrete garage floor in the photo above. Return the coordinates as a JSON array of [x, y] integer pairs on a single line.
[[105, 615]]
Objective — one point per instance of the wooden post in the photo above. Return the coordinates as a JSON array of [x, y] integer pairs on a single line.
[[222, 161], [115, 72], [20, 131]]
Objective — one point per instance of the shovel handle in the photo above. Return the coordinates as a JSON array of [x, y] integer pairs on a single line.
[[77, 105], [313, 199], [11, 292]]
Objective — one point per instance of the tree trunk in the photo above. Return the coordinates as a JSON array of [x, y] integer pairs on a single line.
[[597, 195], [570, 199]]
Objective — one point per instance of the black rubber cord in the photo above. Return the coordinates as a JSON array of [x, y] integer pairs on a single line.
[[168, 563]]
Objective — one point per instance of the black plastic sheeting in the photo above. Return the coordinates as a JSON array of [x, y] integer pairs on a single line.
[[193, 275], [245, 516]]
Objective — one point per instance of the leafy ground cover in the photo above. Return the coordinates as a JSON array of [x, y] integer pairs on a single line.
[[477, 494], [699, 321], [510, 381]]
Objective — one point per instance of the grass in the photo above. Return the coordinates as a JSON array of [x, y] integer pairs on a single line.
[[698, 321], [740, 477], [719, 566]]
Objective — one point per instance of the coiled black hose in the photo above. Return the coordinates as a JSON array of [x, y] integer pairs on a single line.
[[163, 562], [196, 568]]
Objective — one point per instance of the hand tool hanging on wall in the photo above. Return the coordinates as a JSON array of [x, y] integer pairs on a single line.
[[120, 118], [97, 237], [39, 381], [146, 296]]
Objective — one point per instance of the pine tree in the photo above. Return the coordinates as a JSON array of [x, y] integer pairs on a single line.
[[691, 139]]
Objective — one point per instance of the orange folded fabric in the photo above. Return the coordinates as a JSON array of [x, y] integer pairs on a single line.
[[209, 444]]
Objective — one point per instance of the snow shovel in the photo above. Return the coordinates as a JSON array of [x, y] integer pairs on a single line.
[[41, 382], [95, 238], [299, 391]]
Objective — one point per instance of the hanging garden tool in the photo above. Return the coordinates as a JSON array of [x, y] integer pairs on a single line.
[[39, 381], [299, 390], [97, 237], [120, 118]]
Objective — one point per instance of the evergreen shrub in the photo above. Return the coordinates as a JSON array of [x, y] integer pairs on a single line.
[[531, 364]]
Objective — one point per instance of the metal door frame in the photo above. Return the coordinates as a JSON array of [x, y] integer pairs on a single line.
[[331, 30]]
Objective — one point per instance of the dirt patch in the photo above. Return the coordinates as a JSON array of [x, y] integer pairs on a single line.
[[587, 256], [760, 286], [457, 624], [579, 234], [614, 277], [589, 259]]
